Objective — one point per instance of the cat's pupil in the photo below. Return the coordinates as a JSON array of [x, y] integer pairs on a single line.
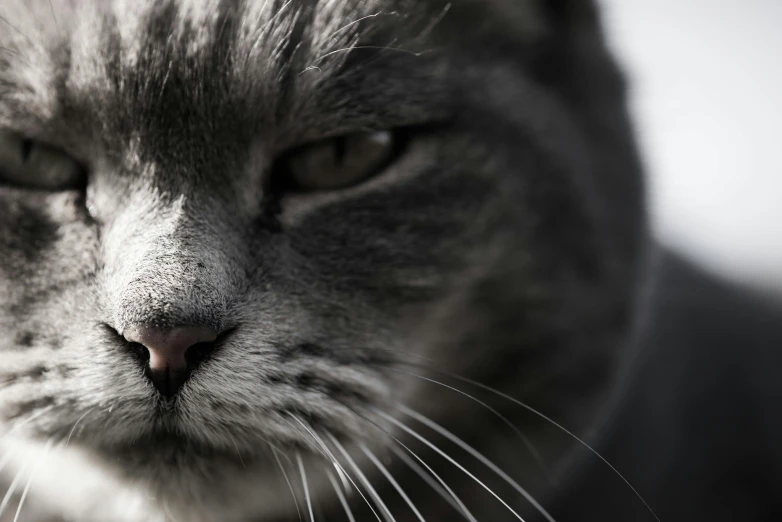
[[27, 148], [340, 149]]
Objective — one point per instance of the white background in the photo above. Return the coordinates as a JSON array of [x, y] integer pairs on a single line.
[[706, 90]]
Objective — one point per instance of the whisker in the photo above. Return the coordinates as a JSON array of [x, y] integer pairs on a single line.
[[363, 478], [465, 512], [441, 488], [328, 453], [518, 403], [448, 458], [524, 439], [68, 440], [391, 479], [340, 496], [469, 449], [547, 419], [8, 455], [287, 480], [275, 447], [329, 456], [337, 466], [54, 17], [12, 488], [237, 450], [16, 30], [345, 483], [435, 22], [6, 459], [25, 422], [31, 478], [306, 488]]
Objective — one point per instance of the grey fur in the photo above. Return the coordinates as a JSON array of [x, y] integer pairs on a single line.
[[503, 245]]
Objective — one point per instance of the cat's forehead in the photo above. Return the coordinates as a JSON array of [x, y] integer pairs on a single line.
[[133, 61]]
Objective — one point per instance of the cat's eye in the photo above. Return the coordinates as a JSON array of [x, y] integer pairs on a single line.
[[31, 164], [338, 162]]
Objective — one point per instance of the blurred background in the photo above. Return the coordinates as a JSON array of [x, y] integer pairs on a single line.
[[706, 91]]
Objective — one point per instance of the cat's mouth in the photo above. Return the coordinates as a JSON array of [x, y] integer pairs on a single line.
[[166, 444], [163, 448]]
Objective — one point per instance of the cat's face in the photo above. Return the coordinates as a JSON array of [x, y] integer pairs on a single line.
[[330, 190]]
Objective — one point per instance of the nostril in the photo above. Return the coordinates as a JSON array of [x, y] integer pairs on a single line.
[[172, 352], [139, 352], [136, 350], [168, 346], [202, 352], [197, 354]]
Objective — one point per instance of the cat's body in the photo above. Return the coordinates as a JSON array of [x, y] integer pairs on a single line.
[[501, 238], [695, 426]]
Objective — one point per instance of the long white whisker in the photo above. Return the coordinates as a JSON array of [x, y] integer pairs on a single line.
[[275, 448], [12, 488], [547, 419], [448, 458], [341, 496], [6, 459], [523, 405], [330, 456], [28, 420], [527, 443], [287, 480], [73, 429], [325, 451], [306, 488], [363, 478], [236, 447], [392, 480], [469, 449], [438, 485], [344, 479], [465, 512], [30, 480], [434, 23]]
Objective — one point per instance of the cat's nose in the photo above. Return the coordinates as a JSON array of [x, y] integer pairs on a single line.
[[168, 368]]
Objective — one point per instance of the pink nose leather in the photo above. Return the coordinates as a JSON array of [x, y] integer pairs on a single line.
[[167, 348]]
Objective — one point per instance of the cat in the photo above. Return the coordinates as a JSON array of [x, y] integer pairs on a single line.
[[257, 256]]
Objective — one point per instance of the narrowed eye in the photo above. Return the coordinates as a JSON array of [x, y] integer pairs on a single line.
[[338, 162], [30, 164]]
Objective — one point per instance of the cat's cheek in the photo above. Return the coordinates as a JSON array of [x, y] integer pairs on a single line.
[[48, 258], [26, 232]]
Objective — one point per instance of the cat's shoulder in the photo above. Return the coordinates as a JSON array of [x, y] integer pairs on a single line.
[[695, 427]]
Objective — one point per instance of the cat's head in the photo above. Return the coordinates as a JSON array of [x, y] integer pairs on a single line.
[[291, 204]]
